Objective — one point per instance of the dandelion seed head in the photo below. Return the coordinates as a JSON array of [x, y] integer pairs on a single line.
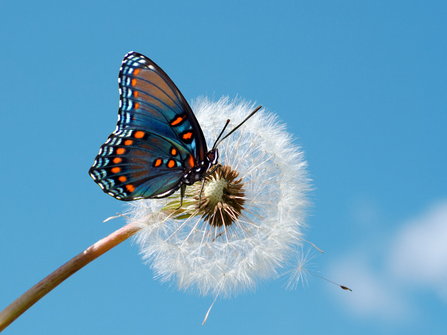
[[224, 197], [247, 223]]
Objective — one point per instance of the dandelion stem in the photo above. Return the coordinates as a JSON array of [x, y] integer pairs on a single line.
[[35, 293]]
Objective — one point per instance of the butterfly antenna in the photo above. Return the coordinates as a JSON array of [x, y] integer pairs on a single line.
[[234, 129], [217, 140]]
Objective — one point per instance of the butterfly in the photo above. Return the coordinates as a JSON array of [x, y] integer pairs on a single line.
[[158, 146]]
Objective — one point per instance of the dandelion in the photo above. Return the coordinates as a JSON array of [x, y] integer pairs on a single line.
[[240, 228], [249, 217]]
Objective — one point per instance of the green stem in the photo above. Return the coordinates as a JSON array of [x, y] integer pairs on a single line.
[[35, 293]]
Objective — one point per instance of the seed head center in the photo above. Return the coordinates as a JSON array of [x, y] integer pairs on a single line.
[[214, 190]]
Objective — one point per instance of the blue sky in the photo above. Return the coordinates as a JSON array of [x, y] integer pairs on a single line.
[[362, 88]]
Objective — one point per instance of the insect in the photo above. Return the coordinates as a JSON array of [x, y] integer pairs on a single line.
[[158, 146]]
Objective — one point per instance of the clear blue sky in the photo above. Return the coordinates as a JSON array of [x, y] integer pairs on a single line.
[[362, 87]]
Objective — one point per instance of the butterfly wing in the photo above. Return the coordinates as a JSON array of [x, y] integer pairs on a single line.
[[157, 137]]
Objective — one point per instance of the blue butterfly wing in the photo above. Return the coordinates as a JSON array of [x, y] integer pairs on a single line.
[[157, 137]]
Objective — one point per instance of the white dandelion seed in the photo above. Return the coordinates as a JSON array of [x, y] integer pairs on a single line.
[[299, 272], [244, 233]]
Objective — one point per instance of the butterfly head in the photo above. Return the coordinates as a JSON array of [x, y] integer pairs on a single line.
[[200, 170], [212, 157]]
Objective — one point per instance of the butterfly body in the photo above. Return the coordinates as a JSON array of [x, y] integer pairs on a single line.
[[158, 145]]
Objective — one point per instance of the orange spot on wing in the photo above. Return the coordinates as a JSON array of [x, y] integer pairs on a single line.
[[133, 82], [157, 162], [128, 142], [135, 94], [177, 121], [173, 151], [122, 179], [130, 188], [137, 105], [191, 161], [120, 151], [117, 160], [139, 134], [187, 136], [171, 163], [116, 170], [136, 71]]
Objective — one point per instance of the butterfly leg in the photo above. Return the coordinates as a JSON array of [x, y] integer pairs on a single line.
[[182, 194], [218, 166], [201, 190], [223, 175]]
